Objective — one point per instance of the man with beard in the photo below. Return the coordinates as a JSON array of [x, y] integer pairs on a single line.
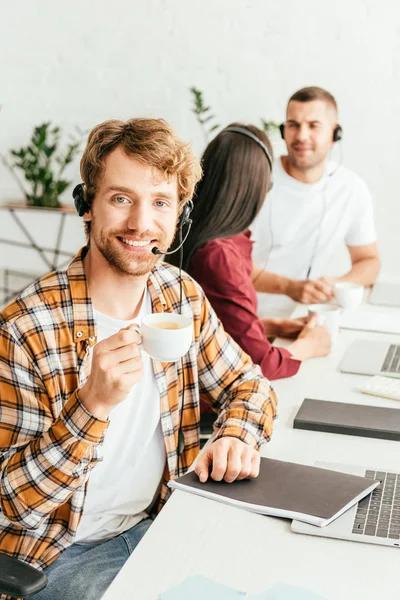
[[90, 425], [315, 206]]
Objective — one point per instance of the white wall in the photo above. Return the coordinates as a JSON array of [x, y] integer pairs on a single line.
[[80, 62]]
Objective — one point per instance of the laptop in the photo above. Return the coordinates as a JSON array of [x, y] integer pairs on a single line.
[[368, 357], [374, 520], [386, 294]]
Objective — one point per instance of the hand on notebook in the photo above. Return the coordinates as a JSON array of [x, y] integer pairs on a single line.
[[228, 459]]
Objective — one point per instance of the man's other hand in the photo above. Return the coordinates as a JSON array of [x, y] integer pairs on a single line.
[[228, 459], [309, 291]]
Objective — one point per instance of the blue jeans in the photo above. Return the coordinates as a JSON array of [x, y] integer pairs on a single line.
[[84, 571]]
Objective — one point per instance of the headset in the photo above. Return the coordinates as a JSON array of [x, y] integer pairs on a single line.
[[249, 134], [78, 195], [185, 220], [336, 137], [82, 207]]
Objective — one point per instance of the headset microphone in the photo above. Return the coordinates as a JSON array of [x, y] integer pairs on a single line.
[[82, 207], [185, 220], [156, 250]]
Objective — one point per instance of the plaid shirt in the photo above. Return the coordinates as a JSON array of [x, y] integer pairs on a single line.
[[49, 442]]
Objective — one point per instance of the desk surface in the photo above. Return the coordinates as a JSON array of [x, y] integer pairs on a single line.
[[193, 535]]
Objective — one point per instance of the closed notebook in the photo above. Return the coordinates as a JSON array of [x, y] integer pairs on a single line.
[[350, 419], [284, 489]]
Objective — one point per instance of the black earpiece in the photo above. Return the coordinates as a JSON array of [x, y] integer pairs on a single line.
[[185, 218], [337, 132], [79, 200]]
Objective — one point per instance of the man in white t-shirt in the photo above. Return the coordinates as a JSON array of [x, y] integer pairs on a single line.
[[314, 207], [92, 428]]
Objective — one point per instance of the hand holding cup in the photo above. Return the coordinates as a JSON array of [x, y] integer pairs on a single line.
[[116, 367]]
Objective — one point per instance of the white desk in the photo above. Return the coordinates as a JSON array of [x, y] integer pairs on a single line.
[[250, 552]]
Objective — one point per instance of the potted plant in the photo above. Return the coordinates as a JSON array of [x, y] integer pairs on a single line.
[[42, 164], [205, 117], [33, 234]]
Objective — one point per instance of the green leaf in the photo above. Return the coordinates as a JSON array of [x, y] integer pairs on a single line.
[[208, 118], [61, 186], [202, 112], [49, 150], [42, 162]]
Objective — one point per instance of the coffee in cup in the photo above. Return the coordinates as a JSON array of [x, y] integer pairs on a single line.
[[166, 336], [166, 325]]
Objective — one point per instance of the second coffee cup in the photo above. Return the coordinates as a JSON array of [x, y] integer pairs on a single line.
[[328, 316]]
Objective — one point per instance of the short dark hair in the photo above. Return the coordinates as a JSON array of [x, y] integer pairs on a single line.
[[236, 179], [308, 94]]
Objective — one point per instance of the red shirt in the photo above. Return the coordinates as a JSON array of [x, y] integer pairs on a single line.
[[223, 268]]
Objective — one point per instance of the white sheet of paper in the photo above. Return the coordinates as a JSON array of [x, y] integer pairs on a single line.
[[286, 592], [371, 318], [201, 588]]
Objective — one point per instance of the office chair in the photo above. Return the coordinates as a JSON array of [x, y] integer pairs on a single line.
[[18, 579]]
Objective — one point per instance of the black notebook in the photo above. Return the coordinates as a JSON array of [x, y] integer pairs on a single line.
[[284, 489], [350, 419]]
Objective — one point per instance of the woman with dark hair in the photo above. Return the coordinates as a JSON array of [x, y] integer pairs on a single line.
[[237, 167]]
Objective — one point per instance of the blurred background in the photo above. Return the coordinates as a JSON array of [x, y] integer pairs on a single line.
[[77, 63]]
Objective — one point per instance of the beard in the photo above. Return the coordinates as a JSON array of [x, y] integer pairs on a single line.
[[303, 163], [122, 261]]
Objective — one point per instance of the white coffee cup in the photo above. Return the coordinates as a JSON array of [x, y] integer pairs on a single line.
[[328, 316], [164, 342], [348, 295]]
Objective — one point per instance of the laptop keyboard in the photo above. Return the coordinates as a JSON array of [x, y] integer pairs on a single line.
[[391, 364], [379, 513]]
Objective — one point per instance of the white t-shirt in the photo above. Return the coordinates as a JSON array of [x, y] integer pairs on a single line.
[[123, 485], [303, 224]]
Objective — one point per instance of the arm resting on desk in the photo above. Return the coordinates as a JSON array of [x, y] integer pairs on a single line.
[[365, 266], [307, 291], [267, 282], [228, 379]]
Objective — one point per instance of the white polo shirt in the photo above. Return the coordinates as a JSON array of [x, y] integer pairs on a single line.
[[304, 224]]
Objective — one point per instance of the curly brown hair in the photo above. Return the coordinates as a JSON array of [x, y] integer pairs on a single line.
[[150, 141]]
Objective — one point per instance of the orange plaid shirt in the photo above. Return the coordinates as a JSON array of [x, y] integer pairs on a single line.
[[49, 442]]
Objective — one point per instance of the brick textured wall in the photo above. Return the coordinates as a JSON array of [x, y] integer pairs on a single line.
[[80, 62]]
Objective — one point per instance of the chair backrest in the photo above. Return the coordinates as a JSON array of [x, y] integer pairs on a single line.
[[18, 579]]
